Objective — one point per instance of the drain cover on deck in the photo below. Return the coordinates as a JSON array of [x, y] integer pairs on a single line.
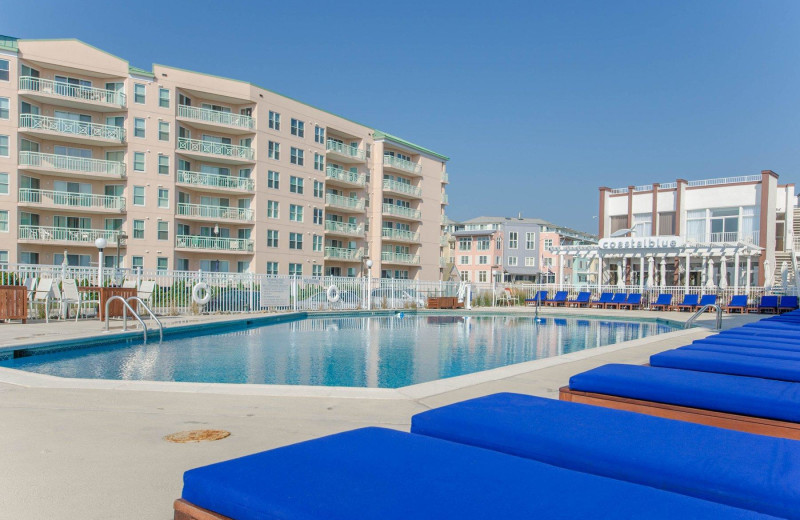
[[197, 436]]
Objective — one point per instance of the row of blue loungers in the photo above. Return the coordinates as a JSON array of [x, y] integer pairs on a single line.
[[515, 456]]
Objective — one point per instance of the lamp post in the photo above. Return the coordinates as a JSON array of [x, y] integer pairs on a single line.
[[100, 244], [120, 238], [369, 284]]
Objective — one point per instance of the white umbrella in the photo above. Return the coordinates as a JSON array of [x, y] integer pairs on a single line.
[[620, 277], [785, 276], [651, 262], [723, 273], [767, 276], [663, 272], [710, 276]]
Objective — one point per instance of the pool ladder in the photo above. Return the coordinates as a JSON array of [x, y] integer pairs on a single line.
[[126, 306], [704, 308]]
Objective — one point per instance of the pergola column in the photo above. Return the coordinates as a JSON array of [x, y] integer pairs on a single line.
[[688, 262], [749, 272], [663, 271], [624, 271], [641, 273], [599, 272], [736, 272]]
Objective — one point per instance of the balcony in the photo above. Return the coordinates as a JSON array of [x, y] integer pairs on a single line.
[[213, 182], [445, 199], [344, 254], [341, 176], [442, 262], [73, 96], [445, 178], [399, 235], [444, 220], [72, 131], [402, 212], [65, 164], [217, 120], [351, 204], [218, 152], [402, 188], [82, 202], [444, 241], [401, 165], [219, 244], [67, 236], [344, 228], [750, 237], [205, 212], [345, 152], [399, 258]]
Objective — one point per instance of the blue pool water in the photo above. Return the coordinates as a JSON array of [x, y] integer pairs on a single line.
[[373, 351]]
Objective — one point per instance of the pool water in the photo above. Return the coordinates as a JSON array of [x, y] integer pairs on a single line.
[[369, 351]]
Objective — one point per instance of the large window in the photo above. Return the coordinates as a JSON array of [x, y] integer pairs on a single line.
[[274, 150], [3, 70], [3, 184], [298, 128], [138, 127], [163, 131], [530, 241], [319, 134], [722, 225], [513, 240], [464, 244], [643, 224], [296, 156], [273, 179], [3, 146], [295, 269], [163, 98], [272, 268], [138, 229], [163, 230], [272, 238], [138, 195], [272, 209], [295, 213], [484, 243], [295, 184], [274, 120], [138, 93], [4, 108]]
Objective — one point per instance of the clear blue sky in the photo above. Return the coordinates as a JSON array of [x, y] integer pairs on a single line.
[[537, 103]]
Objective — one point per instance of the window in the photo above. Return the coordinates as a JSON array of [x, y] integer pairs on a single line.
[[318, 216], [138, 229], [162, 263], [316, 243], [316, 270], [696, 225], [530, 261], [3, 146], [298, 128], [272, 209], [530, 241], [483, 244], [163, 198], [274, 150], [163, 98], [138, 93], [295, 213], [274, 120], [547, 262], [3, 184], [319, 162], [4, 221], [464, 244], [481, 276], [272, 238], [643, 224], [137, 262], [548, 243], [463, 260], [666, 223], [163, 165], [272, 268], [138, 195], [182, 264], [513, 239], [138, 127], [138, 161], [295, 184], [296, 156], [273, 179], [242, 266], [319, 189], [163, 230], [3, 70], [4, 108], [319, 135], [295, 269], [512, 261], [483, 260], [163, 131], [618, 222]]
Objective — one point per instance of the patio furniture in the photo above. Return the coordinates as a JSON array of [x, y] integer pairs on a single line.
[[787, 303], [541, 296], [663, 302], [634, 300], [43, 296], [690, 302], [103, 295], [73, 296], [768, 303], [616, 301], [504, 297], [733, 363], [582, 300], [707, 299], [560, 298], [738, 302], [603, 300], [14, 303]]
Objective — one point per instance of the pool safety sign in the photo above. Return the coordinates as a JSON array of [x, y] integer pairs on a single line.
[[275, 292]]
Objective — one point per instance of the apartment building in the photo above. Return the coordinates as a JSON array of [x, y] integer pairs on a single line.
[[184, 170]]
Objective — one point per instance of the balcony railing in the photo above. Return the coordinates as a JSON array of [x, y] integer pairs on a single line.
[[442, 262], [70, 127], [750, 237], [445, 198], [401, 211], [400, 234], [216, 116], [401, 164], [342, 175], [399, 258], [210, 147], [62, 234], [215, 212], [443, 241], [71, 200], [444, 219], [344, 202], [213, 180], [445, 178], [214, 243], [344, 228], [67, 163], [77, 92], [343, 253], [402, 187], [344, 149]]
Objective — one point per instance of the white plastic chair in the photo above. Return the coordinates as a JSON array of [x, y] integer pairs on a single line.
[[146, 290], [42, 296], [129, 284], [72, 296]]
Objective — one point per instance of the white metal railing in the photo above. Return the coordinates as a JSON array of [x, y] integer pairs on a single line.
[[443, 241], [399, 258], [214, 243], [216, 116], [344, 149], [213, 180], [617, 191], [71, 164], [70, 127], [401, 164], [344, 228], [400, 234], [442, 262], [402, 211], [339, 174], [643, 187], [63, 234], [751, 237], [71, 200], [343, 253], [725, 180], [210, 147], [445, 177], [444, 219], [214, 212], [402, 187], [445, 198], [66, 90], [668, 186], [344, 202]]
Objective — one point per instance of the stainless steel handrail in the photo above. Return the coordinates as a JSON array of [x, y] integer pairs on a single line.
[[703, 309], [125, 307], [151, 313]]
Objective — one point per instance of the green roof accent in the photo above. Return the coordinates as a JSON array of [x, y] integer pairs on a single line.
[[8, 43], [389, 137], [140, 72]]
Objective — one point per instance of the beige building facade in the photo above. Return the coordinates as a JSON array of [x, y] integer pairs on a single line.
[[183, 170]]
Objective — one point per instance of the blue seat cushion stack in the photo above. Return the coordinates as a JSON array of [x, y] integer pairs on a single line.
[[374, 473], [740, 469], [790, 353], [729, 363]]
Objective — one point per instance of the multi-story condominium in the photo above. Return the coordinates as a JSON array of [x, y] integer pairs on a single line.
[[183, 170]]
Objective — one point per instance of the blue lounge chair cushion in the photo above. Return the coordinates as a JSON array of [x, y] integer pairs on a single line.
[[792, 354], [618, 298], [541, 296], [720, 392], [560, 296], [583, 297], [740, 300], [690, 300], [634, 299], [729, 363], [746, 340], [604, 298], [386, 474], [664, 299], [740, 469], [788, 302], [708, 299], [768, 302]]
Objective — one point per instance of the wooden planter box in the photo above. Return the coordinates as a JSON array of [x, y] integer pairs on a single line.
[[13, 303]]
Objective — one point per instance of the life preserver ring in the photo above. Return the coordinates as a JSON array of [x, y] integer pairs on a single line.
[[201, 286], [333, 294]]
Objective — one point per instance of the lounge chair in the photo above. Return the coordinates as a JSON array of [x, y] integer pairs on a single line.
[[560, 298], [129, 284], [392, 475], [787, 303], [617, 300], [634, 300], [707, 299], [663, 302], [541, 296], [146, 290], [768, 303], [582, 300], [760, 364], [690, 302], [43, 296], [738, 302], [503, 297], [72, 296], [602, 301]]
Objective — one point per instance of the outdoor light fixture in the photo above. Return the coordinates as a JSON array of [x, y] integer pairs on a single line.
[[100, 244]]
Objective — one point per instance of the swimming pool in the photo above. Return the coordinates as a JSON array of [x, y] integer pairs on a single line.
[[387, 351]]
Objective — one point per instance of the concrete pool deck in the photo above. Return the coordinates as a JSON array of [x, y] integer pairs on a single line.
[[99, 453]]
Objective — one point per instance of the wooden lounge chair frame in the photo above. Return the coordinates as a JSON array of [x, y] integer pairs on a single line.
[[187, 511], [630, 306], [731, 421], [681, 305], [661, 306]]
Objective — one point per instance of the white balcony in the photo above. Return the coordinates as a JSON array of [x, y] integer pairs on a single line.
[[402, 188], [445, 178], [218, 244], [65, 164], [72, 131], [81, 202], [751, 237], [351, 204], [399, 258], [344, 254], [344, 228], [394, 163], [73, 96], [402, 212], [213, 213], [213, 182], [67, 236], [341, 176], [345, 152], [442, 262], [217, 152], [445, 199], [217, 120], [399, 235], [443, 241]]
